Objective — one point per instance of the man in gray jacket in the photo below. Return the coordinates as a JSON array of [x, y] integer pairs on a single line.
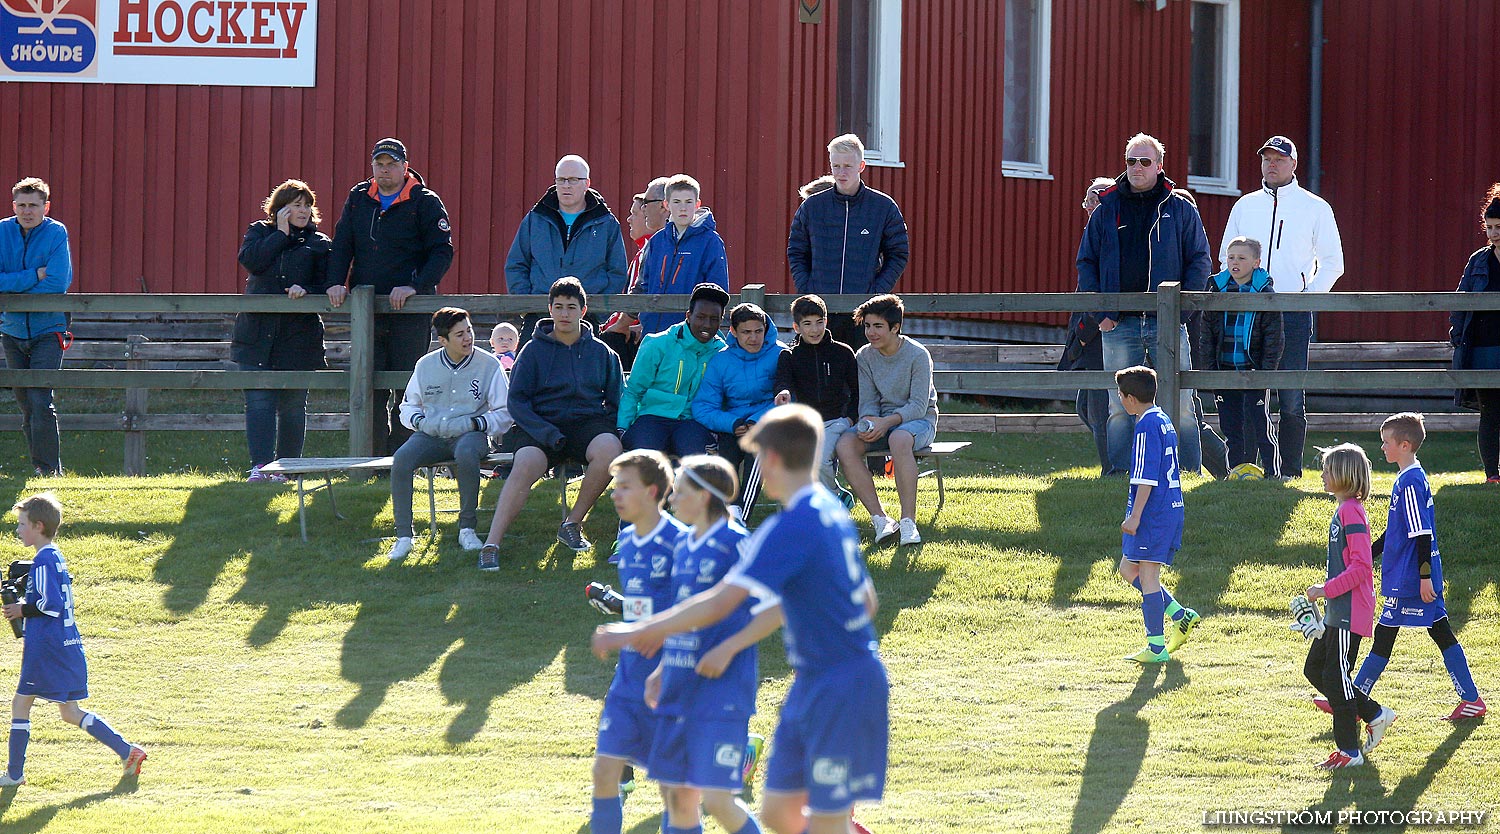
[[454, 403], [569, 232]]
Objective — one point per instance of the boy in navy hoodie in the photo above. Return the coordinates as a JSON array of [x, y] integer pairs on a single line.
[[1243, 340], [686, 253]]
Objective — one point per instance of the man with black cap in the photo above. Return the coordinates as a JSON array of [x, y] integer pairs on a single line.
[[1302, 252], [394, 235], [656, 408]]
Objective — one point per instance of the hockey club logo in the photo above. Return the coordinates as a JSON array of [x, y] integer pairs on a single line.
[[49, 36]]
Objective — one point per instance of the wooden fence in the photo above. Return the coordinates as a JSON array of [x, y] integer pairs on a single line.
[[1168, 304]]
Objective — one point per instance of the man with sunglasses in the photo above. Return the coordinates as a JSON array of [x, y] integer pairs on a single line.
[[569, 232], [1303, 253], [1142, 235]]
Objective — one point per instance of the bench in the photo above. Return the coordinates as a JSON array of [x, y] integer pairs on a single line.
[[936, 452]]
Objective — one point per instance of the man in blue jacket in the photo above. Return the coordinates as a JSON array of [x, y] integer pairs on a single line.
[[847, 239], [34, 257], [1143, 234], [569, 232], [738, 386], [684, 254]]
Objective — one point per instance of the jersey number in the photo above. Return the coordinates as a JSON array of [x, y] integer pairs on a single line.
[[67, 595]]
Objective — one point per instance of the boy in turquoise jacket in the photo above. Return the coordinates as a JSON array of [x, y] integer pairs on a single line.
[[656, 408]]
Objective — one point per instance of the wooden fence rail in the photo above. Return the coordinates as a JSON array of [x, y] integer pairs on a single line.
[[1167, 304]]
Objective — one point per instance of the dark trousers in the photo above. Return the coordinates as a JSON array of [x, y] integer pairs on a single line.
[[400, 340], [38, 414], [1489, 431], [845, 330], [678, 438], [1246, 420], [623, 344], [729, 449], [1291, 435], [1329, 661], [275, 421], [1093, 409]]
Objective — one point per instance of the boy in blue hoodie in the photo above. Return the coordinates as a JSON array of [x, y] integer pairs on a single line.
[[1243, 340], [684, 254], [738, 386]]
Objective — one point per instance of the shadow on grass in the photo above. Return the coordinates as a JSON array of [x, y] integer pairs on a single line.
[[901, 584], [39, 819], [1117, 748]]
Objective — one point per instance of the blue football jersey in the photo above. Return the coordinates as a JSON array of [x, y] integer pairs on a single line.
[[52, 661], [645, 564], [1411, 515], [1154, 464], [699, 564], [807, 559]]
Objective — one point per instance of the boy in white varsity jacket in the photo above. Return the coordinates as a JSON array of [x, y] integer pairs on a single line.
[[454, 404]]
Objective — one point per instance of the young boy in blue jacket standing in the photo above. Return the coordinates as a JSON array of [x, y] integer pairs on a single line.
[[1243, 340], [684, 254]]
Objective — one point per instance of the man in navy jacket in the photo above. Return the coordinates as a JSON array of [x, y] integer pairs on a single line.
[[1142, 235], [848, 239]]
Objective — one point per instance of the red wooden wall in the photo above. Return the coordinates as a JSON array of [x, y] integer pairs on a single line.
[[158, 183]]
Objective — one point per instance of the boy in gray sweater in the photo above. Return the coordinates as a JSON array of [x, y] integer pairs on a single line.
[[898, 413]]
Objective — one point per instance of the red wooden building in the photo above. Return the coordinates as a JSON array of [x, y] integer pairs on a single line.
[[986, 120]]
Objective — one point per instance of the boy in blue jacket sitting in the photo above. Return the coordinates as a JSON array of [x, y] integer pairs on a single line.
[[1243, 340], [737, 388], [684, 254]]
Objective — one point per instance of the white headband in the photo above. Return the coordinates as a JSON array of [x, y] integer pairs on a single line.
[[706, 486]]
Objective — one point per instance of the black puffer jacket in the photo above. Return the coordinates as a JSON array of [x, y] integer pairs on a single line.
[[276, 262]]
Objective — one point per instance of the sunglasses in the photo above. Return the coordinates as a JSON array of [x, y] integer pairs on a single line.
[[1144, 161]]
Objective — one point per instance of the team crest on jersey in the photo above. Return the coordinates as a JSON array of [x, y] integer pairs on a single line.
[[706, 570], [658, 567]]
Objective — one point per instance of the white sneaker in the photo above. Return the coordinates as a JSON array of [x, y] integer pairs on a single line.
[[909, 534], [884, 527], [400, 549], [1376, 729], [468, 539]]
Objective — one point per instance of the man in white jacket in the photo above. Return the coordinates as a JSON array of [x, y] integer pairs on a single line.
[[454, 403], [1303, 253]]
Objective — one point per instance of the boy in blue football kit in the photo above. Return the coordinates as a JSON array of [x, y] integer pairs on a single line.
[[52, 663], [1411, 576], [830, 746], [627, 725], [1152, 530]]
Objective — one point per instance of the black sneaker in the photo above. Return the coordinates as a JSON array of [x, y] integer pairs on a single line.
[[571, 535], [489, 557]]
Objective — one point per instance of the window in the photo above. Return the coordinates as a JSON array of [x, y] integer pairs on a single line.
[[869, 82], [1028, 68], [1214, 93]]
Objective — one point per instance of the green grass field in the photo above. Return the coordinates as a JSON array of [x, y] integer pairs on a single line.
[[283, 686]]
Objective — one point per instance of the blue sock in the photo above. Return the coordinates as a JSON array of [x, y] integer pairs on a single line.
[[697, 829], [20, 736], [1151, 611], [1170, 605], [1458, 670], [750, 826], [1369, 672], [96, 727], [608, 816]]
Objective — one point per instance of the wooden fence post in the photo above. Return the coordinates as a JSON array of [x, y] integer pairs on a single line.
[[361, 303], [1168, 375], [753, 294], [135, 409]]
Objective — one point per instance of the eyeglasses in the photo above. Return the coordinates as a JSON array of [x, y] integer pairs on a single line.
[[569, 180], [1144, 161], [649, 202]]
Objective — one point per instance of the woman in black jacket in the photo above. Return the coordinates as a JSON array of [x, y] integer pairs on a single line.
[[1475, 335], [284, 253]]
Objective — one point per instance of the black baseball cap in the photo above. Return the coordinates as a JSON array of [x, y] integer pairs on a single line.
[[1282, 144], [391, 146], [711, 292]]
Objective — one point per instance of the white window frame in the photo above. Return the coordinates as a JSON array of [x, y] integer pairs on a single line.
[[884, 148], [1042, 107], [1228, 115]]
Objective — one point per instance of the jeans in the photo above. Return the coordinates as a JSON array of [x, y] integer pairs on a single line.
[[38, 414], [668, 436], [275, 421], [832, 431], [1093, 410], [1133, 342], [467, 451], [1292, 433]]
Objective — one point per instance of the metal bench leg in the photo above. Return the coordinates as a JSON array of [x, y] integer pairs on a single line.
[[431, 506], [938, 462], [301, 507], [562, 479], [328, 485]]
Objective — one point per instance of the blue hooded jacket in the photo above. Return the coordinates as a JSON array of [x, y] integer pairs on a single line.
[[738, 385], [554, 383], [20, 256], [674, 265], [1179, 246], [545, 250]]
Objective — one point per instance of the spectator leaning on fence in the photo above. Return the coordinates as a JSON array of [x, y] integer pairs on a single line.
[[1475, 335], [34, 258], [656, 410], [648, 215], [897, 412], [565, 401], [686, 253], [847, 239], [454, 403], [1302, 253], [285, 254], [1143, 235], [570, 232], [393, 235]]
